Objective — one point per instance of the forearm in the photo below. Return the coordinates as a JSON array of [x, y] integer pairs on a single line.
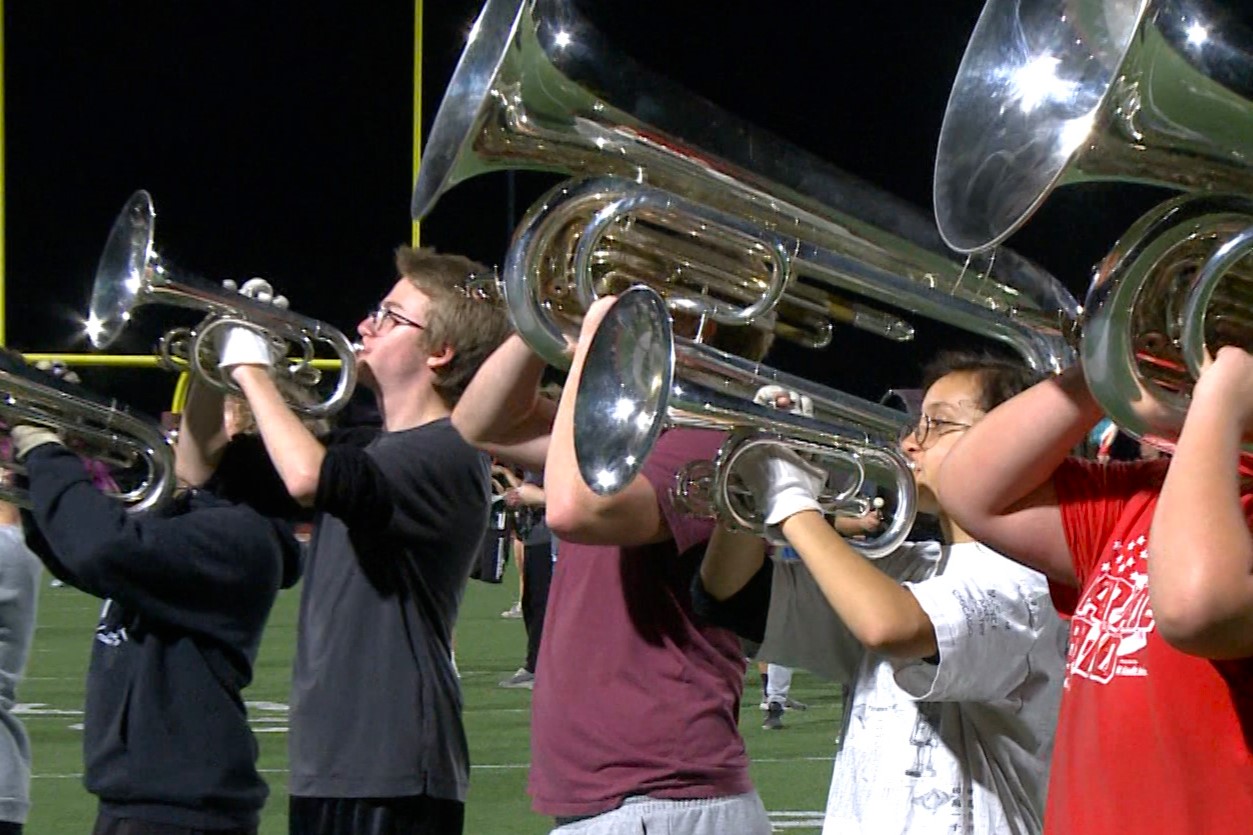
[[501, 410], [297, 454], [531, 495], [201, 434], [1017, 447], [731, 560], [883, 615], [1201, 572], [577, 514]]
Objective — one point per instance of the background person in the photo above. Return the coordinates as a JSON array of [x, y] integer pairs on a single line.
[[19, 592]]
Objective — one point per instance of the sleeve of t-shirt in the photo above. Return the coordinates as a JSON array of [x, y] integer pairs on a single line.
[[1092, 498], [674, 449], [802, 630], [986, 622]]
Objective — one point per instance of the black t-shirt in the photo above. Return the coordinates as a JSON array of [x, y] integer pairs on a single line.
[[375, 704]]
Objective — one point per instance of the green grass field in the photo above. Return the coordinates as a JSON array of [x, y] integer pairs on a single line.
[[791, 768]]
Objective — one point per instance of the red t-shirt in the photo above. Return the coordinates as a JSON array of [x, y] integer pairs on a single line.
[[632, 696], [1150, 739]]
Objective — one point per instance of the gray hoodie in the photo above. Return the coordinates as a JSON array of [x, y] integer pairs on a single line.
[[19, 587]]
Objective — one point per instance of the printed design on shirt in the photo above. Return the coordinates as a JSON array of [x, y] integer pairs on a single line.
[[1113, 620], [111, 631], [925, 738]]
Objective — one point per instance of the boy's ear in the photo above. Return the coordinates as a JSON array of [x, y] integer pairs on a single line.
[[441, 357]]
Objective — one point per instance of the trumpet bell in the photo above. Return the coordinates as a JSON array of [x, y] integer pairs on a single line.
[[131, 273], [120, 271], [132, 450], [628, 373]]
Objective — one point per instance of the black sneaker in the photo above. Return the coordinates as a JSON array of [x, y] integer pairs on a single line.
[[774, 717]]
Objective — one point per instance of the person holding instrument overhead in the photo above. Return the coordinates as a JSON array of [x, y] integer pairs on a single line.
[[376, 741], [950, 654], [187, 589]]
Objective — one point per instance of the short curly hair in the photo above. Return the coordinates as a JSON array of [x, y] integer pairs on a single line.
[[473, 324]]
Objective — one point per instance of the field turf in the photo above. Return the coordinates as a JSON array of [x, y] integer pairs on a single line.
[[791, 768]]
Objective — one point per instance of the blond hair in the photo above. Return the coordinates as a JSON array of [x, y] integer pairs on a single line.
[[471, 323]]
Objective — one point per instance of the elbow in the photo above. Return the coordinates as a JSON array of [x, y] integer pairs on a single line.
[[302, 485], [472, 431], [565, 519], [1190, 622], [899, 640]]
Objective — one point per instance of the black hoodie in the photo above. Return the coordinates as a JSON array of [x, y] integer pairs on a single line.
[[188, 590]]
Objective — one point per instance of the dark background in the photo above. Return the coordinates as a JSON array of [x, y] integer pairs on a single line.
[[276, 141]]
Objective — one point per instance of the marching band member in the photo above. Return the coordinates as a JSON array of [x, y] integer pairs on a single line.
[[950, 654], [376, 742], [1151, 738], [19, 591], [187, 590], [635, 710]]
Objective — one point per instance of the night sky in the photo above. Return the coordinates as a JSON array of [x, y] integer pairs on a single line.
[[275, 139]]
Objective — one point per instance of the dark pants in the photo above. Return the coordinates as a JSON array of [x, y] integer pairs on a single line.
[[107, 825], [10, 828], [418, 815], [538, 569]]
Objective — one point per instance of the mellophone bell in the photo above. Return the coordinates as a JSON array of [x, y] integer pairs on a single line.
[[131, 274]]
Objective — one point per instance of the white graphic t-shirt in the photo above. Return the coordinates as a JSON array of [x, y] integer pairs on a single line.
[[954, 744]]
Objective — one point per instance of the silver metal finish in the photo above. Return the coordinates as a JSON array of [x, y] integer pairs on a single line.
[[105, 432], [1176, 287], [131, 273], [636, 377], [1052, 92], [754, 213]]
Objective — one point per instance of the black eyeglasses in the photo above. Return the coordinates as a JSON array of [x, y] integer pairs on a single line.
[[384, 313], [930, 428]]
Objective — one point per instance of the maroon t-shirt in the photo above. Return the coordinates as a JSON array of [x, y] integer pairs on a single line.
[[632, 695]]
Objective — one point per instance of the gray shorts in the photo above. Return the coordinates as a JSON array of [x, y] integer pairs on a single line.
[[742, 814]]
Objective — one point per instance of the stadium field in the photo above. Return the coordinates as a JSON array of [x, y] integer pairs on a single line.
[[791, 768]]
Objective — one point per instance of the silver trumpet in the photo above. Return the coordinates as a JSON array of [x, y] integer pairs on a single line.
[[1150, 91], [629, 389], [100, 430], [131, 274]]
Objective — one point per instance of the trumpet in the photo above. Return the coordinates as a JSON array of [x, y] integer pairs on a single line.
[[130, 274], [102, 431], [628, 390]]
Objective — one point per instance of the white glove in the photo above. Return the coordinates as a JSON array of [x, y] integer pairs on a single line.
[[782, 482], [801, 404], [259, 289], [26, 438], [241, 346]]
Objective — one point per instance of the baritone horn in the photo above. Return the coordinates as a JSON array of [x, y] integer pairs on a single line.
[[722, 218], [131, 274], [102, 431], [1148, 92]]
